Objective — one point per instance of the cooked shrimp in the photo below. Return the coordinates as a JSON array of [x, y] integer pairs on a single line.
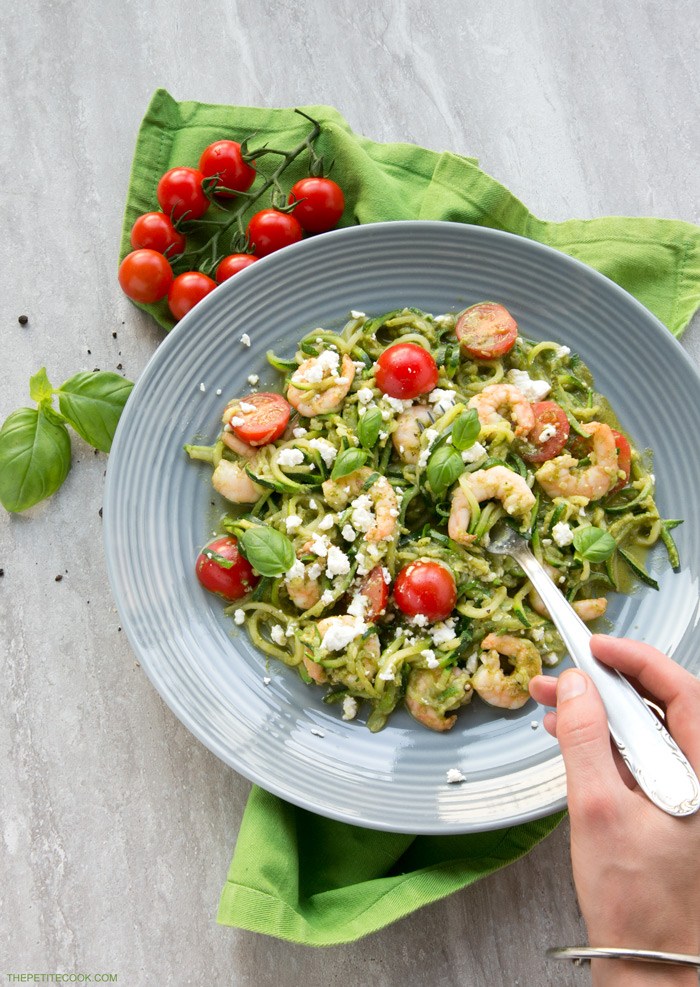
[[558, 479], [374, 512], [237, 445], [233, 483], [586, 609], [303, 591], [498, 398], [316, 671], [316, 387], [498, 688], [433, 692], [407, 433], [497, 482]]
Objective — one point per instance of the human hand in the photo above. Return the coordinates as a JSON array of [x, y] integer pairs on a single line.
[[636, 869]]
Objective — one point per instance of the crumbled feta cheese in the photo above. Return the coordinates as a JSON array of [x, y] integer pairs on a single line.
[[358, 606], [396, 404], [327, 597], [253, 379], [349, 708], [551, 658], [562, 534], [277, 634], [534, 390], [442, 398], [293, 522], [317, 733], [202, 388], [297, 571], [388, 675], [420, 620], [443, 632], [362, 517], [383, 436], [299, 432], [537, 633], [267, 680], [563, 351], [246, 407], [319, 545], [534, 724], [315, 570], [470, 455], [365, 395], [312, 504], [454, 776], [237, 420], [291, 627], [327, 523], [245, 339], [348, 533], [327, 450], [430, 659], [239, 617], [431, 435], [338, 562], [218, 392], [324, 365], [547, 432], [387, 575], [338, 636], [441, 320], [357, 315], [290, 457]]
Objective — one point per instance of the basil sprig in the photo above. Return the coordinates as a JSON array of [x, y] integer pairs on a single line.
[[347, 462], [269, 551], [369, 426], [465, 430], [444, 467], [594, 544], [35, 445]]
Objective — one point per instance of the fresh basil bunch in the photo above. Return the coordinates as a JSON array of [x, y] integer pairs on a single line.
[[35, 447]]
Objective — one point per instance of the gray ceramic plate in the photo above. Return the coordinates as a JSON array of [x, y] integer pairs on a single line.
[[158, 512]]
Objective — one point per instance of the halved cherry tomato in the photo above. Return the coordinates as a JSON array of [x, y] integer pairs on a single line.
[[426, 587], [180, 193], [624, 459], [225, 159], [320, 203], [548, 415], [145, 276], [406, 370], [486, 331], [231, 581], [186, 291], [376, 591], [265, 424], [155, 231], [232, 265], [270, 230]]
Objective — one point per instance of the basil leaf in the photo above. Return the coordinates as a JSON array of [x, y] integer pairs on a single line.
[[594, 544], [444, 467], [269, 551], [92, 404], [369, 426], [465, 430], [347, 462], [40, 388], [34, 457]]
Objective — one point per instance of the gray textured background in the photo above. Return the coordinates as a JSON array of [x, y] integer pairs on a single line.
[[117, 827]]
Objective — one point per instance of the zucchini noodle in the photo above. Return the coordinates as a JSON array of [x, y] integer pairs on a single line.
[[427, 480]]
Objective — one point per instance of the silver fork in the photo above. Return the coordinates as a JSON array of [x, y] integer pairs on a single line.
[[649, 751]]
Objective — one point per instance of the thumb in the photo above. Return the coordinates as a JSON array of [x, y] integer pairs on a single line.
[[582, 732]]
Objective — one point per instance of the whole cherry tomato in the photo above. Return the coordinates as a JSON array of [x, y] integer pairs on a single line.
[[486, 331], [155, 231], [426, 587], [406, 370], [261, 419], [224, 158], [322, 205], [221, 569], [552, 423], [270, 230], [186, 290], [232, 265], [145, 276], [180, 194]]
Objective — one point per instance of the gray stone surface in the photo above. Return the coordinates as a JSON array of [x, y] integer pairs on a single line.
[[117, 826]]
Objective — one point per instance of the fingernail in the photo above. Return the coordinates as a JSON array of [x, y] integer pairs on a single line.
[[570, 685]]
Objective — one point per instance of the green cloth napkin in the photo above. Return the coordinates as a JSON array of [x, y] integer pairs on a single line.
[[296, 875]]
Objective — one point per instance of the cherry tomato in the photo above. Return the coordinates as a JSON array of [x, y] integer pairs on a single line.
[[426, 587], [186, 290], [486, 331], [232, 265], [548, 415], [155, 231], [270, 230], [265, 424], [231, 582], [180, 193], [375, 589], [624, 460], [145, 276], [225, 159], [322, 206], [406, 370]]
